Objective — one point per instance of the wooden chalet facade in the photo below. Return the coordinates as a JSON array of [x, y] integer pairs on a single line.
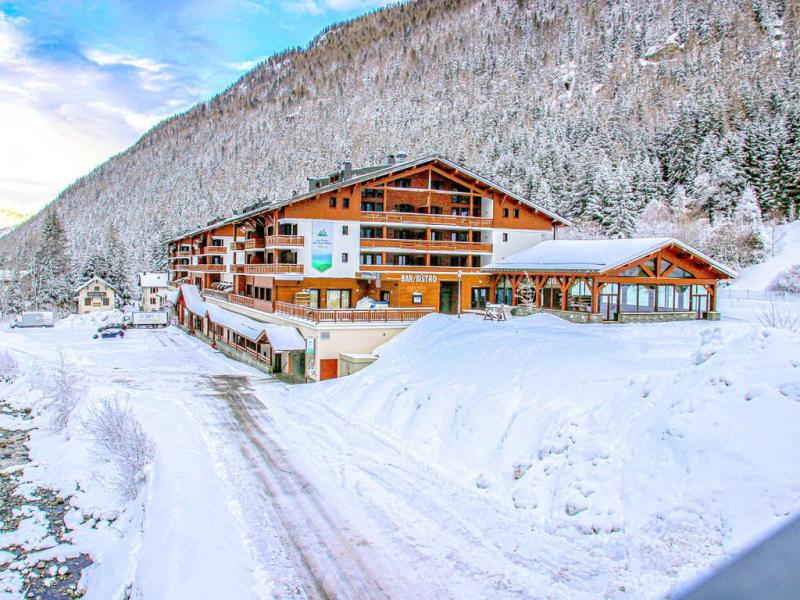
[[400, 235], [651, 279]]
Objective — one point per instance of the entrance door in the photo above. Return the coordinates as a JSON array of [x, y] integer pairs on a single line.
[[608, 302], [448, 297]]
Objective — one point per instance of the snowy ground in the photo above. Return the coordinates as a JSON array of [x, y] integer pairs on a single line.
[[533, 458]]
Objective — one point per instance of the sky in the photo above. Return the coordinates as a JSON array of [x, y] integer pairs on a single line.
[[82, 80]]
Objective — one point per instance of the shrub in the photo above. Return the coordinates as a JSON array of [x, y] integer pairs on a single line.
[[64, 392], [9, 369], [120, 439], [779, 318], [787, 281]]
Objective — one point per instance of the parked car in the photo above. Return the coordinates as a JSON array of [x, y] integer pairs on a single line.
[[111, 326], [110, 333]]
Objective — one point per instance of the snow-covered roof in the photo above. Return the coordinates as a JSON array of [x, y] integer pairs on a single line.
[[92, 280], [596, 256], [282, 338], [154, 280], [171, 295], [192, 299]]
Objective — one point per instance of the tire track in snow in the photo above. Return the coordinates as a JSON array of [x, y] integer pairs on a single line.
[[321, 548]]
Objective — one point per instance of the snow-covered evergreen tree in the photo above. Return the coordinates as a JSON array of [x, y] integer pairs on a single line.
[[51, 277], [119, 270]]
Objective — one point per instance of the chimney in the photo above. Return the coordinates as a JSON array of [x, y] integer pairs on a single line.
[[347, 169], [402, 156], [390, 159]]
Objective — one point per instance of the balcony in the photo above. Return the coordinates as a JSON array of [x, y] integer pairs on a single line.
[[219, 295], [273, 269], [285, 240], [180, 254], [237, 245], [217, 250], [351, 315], [250, 302], [417, 219], [205, 268], [427, 245], [254, 244]]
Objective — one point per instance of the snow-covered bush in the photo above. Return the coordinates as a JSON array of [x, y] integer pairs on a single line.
[[64, 391], [787, 281], [120, 439], [9, 369], [779, 318]]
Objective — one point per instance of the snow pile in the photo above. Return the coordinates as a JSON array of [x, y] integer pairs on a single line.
[[95, 319], [672, 444]]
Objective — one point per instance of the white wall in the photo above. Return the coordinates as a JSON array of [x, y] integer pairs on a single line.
[[518, 240]]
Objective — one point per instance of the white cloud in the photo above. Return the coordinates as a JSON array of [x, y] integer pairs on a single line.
[[246, 65], [319, 7], [59, 121]]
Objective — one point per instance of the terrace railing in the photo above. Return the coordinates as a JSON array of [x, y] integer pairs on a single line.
[[267, 269], [426, 245], [402, 218], [351, 315]]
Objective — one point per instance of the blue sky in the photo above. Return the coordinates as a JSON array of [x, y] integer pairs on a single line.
[[80, 81]]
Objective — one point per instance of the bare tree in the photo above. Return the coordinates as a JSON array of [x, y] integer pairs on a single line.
[[120, 439], [9, 369], [779, 317], [64, 391]]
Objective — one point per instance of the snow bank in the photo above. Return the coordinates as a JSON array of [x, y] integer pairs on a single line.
[[758, 277], [673, 444]]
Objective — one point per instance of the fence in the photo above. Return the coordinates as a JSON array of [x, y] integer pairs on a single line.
[[767, 295]]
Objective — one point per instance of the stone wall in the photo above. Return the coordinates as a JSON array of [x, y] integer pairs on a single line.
[[655, 317]]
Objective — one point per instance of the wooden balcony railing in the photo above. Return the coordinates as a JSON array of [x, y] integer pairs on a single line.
[[237, 245], [426, 245], [206, 268], [351, 315], [214, 250], [254, 243], [401, 218], [285, 240], [181, 254], [267, 269], [246, 301]]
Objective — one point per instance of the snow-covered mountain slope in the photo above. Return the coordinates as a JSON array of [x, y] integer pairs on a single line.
[[787, 254], [570, 103], [668, 445]]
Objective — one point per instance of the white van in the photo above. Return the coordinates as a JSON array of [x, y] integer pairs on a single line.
[[34, 319]]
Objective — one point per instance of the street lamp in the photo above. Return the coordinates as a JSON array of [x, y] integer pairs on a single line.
[[459, 293]]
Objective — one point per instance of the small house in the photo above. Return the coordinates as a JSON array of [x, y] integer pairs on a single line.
[[96, 295], [153, 291]]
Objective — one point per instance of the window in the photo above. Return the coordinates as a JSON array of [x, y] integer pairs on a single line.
[[416, 298], [385, 296], [332, 202], [678, 273], [504, 293], [345, 257], [404, 182], [313, 298], [262, 293], [480, 295], [505, 237], [345, 202], [97, 288], [152, 300], [516, 213], [337, 298], [345, 229], [505, 213], [105, 301], [87, 301]]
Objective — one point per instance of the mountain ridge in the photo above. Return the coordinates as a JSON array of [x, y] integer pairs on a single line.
[[534, 95]]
